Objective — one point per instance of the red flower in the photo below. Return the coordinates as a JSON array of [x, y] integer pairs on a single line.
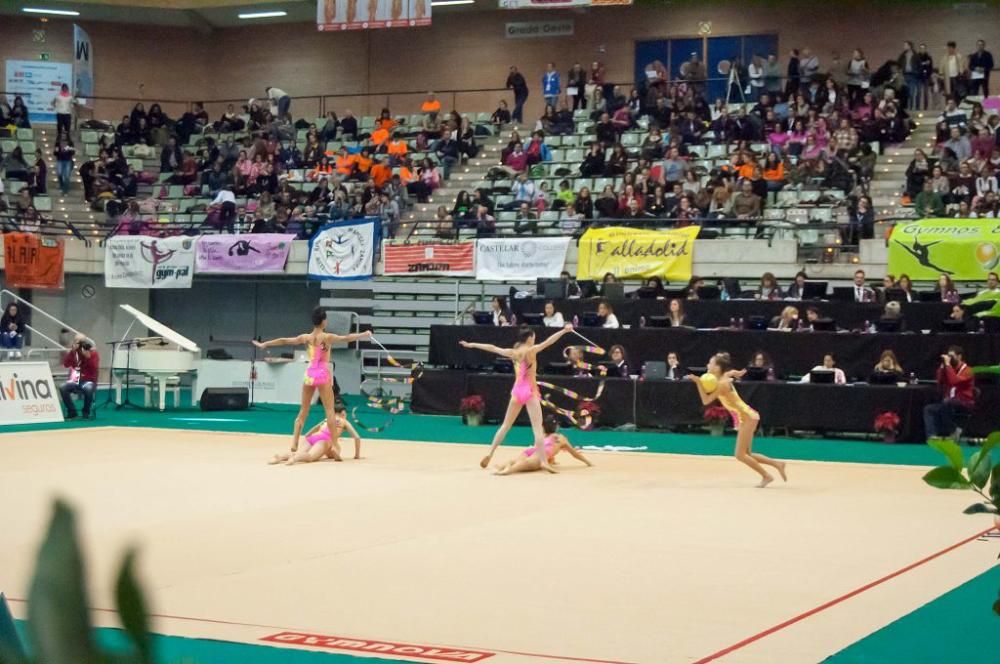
[[715, 414], [472, 404], [887, 421]]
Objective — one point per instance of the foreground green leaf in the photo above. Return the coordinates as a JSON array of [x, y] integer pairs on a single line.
[[980, 465], [995, 485], [58, 624], [132, 609], [946, 477], [950, 449], [979, 508]]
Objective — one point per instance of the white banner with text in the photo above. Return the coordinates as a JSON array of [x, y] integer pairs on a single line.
[[135, 261], [501, 259], [28, 395]]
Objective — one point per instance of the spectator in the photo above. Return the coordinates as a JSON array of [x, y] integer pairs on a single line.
[[769, 289], [552, 318], [946, 289], [83, 361], [63, 105], [576, 86], [929, 202], [980, 66], [486, 224], [502, 316], [605, 311], [761, 360], [857, 76], [12, 331], [225, 203], [15, 166], [888, 364], [516, 82], [171, 156], [746, 204], [918, 171], [501, 116], [956, 381], [952, 69], [620, 360], [349, 126], [829, 364], [675, 313], [959, 144], [551, 87], [992, 284], [904, 284], [526, 220], [958, 313], [39, 174], [674, 369], [280, 102], [862, 293], [787, 321]]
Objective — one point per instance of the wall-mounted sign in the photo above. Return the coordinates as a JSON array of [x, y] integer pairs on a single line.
[[530, 29]]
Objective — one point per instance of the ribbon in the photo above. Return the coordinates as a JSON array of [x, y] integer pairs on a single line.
[[382, 400], [581, 417], [580, 364]]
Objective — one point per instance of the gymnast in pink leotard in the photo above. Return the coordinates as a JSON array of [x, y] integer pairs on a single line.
[[553, 444], [525, 393], [321, 443], [318, 376]]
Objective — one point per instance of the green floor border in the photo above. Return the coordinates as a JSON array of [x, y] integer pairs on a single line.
[[958, 626], [277, 419], [183, 650]]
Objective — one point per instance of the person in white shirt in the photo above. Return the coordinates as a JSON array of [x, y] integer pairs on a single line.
[[63, 106], [605, 311], [992, 284], [862, 293], [280, 98], [552, 318], [225, 203], [829, 364]]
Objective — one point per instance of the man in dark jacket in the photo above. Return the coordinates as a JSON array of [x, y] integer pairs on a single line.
[[516, 82], [980, 65]]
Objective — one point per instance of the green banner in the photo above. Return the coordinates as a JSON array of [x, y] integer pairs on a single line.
[[964, 249]]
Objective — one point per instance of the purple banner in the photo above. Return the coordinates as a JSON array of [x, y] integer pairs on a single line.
[[260, 252]]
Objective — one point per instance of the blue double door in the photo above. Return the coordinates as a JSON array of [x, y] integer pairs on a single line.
[[710, 50]]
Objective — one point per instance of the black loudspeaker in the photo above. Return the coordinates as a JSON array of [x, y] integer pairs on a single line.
[[225, 398]]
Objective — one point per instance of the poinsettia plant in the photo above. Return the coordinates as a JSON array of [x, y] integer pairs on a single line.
[[887, 422], [587, 412], [472, 405], [716, 415]]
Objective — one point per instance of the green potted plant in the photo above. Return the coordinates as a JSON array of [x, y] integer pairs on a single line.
[[472, 408]]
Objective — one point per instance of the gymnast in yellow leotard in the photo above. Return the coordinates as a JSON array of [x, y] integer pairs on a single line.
[[745, 418]]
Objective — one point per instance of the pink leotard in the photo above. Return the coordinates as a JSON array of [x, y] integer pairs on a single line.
[[549, 444], [525, 389], [318, 371], [321, 436]]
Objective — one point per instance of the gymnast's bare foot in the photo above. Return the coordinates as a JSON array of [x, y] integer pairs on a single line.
[[548, 467], [764, 482], [781, 471]]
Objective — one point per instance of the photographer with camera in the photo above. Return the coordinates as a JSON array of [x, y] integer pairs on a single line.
[[82, 360], [957, 384]]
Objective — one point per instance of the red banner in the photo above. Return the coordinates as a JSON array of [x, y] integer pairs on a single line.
[[33, 261], [431, 258]]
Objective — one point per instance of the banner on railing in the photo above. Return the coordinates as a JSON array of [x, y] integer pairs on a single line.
[[635, 253], [28, 395], [559, 4], [501, 259], [344, 250], [964, 249], [259, 253], [33, 261], [336, 15], [83, 64], [133, 261], [454, 259]]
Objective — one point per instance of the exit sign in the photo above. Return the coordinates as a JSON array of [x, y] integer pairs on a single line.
[[44, 56]]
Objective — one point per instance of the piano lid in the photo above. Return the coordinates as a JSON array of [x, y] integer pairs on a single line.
[[158, 328]]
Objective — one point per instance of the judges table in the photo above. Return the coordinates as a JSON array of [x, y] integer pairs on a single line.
[[717, 313], [664, 403], [793, 353]]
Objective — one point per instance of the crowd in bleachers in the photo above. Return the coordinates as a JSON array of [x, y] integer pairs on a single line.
[[660, 154]]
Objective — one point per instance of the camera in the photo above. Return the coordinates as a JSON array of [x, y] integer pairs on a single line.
[[87, 344]]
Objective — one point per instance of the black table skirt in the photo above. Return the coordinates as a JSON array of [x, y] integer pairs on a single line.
[[665, 404], [717, 313], [793, 353]]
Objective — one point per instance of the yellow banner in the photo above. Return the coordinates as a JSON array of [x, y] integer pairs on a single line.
[[635, 253], [965, 249]]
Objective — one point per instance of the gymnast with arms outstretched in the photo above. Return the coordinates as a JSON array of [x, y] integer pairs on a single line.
[[745, 418], [318, 376], [525, 393], [554, 443]]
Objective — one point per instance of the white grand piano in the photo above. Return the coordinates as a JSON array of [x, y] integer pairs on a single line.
[[162, 356]]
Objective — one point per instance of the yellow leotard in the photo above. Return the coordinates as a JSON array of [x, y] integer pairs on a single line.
[[738, 409]]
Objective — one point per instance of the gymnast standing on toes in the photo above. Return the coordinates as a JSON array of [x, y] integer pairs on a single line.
[[717, 383], [321, 443], [555, 443], [525, 392], [318, 375]]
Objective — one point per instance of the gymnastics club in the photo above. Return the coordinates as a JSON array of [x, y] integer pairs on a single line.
[[585, 338]]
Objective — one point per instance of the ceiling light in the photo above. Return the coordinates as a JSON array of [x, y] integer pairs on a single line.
[[273, 14], [54, 12], [448, 3]]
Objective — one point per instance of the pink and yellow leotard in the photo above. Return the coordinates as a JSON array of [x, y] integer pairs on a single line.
[[318, 371], [550, 447], [321, 436], [525, 388], [738, 409]]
